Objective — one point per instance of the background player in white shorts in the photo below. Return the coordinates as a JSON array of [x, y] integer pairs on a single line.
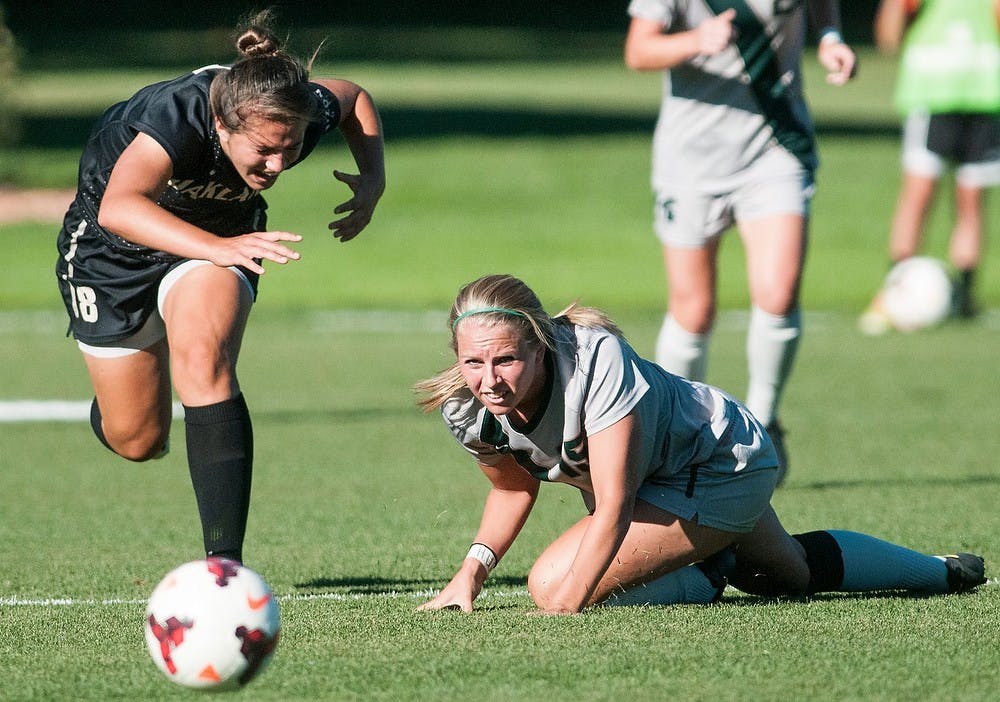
[[948, 87], [734, 145], [160, 252], [672, 472]]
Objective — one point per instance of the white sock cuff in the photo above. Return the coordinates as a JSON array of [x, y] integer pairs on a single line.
[[777, 322], [682, 352]]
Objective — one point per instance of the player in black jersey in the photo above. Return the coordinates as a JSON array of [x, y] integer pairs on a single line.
[[160, 251]]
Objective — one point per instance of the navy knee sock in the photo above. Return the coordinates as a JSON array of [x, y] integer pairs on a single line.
[[220, 459], [847, 561]]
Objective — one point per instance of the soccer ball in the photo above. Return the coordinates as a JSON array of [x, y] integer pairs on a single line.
[[917, 293], [212, 624]]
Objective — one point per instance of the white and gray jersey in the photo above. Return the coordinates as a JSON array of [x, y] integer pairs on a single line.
[[594, 379], [721, 113]]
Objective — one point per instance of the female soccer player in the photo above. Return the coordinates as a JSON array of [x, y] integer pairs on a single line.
[[952, 108], [161, 250], [672, 472], [734, 145]]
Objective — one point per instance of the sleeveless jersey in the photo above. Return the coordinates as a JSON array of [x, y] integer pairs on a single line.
[[951, 59]]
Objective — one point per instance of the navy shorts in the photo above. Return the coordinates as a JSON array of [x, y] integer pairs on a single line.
[[109, 291]]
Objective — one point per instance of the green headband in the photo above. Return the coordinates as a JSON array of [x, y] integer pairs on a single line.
[[483, 310]]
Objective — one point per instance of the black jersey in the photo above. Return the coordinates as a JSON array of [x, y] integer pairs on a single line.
[[205, 189]]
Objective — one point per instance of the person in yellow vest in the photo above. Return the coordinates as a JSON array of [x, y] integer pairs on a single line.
[[948, 87]]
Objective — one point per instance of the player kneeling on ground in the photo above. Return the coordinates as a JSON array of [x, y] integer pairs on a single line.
[[672, 472]]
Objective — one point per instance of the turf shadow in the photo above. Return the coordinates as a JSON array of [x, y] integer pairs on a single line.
[[376, 585]]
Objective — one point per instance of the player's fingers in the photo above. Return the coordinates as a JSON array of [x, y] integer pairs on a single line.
[[252, 265], [348, 178], [348, 206], [267, 251], [278, 236]]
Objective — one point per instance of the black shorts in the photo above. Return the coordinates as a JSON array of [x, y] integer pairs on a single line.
[[109, 292], [964, 137]]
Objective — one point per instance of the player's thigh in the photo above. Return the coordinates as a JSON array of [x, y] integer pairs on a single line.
[[691, 283], [775, 248], [656, 542], [770, 550], [133, 391], [205, 308]]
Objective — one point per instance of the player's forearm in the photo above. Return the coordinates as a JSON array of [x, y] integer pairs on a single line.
[[504, 515], [138, 219], [824, 14], [661, 51], [600, 544], [362, 130], [890, 24]]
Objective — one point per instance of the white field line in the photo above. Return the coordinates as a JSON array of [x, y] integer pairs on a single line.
[[335, 321], [14, 601], [12, 411]]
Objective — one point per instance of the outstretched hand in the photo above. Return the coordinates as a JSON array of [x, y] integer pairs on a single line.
[[367, 192], [248, 250]]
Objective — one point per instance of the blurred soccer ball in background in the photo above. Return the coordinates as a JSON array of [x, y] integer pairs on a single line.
[[212, 624], [916, 294]]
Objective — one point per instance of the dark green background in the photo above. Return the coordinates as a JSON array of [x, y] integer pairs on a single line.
[[44, 24]]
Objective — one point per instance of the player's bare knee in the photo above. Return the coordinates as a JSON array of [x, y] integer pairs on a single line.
[[694, 316], [541, 582], [201, 367], [138, 445]]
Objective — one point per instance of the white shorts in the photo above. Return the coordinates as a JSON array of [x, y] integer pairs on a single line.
[[688, 217], [155, 329]]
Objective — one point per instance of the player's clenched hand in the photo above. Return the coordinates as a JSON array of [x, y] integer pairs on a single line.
[[840, 62], [715, 33], [367, 191], [248, 249]]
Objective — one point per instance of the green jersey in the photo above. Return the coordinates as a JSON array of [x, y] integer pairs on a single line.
[[951, 59]]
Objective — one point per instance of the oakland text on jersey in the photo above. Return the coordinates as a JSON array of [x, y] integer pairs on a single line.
[[211, 190]]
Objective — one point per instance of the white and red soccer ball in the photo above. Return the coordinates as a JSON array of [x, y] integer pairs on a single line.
[[212, 624]]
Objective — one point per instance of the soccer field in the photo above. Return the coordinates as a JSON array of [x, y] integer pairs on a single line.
[[363, 506]]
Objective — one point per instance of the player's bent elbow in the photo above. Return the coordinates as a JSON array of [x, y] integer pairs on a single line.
[[634, 60]]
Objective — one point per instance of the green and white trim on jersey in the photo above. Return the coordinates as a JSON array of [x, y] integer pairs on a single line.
[[722, 114], [595, 379], [769, 84]]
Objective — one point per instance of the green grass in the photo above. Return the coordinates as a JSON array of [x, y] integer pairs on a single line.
[[363, 505]]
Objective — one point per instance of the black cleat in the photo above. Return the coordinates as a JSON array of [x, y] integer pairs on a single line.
[[966, 571]]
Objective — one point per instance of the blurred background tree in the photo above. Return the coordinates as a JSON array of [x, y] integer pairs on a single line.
[[9, 122]]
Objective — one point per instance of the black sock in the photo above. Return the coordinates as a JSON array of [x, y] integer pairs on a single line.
[[95, 423], [220, 458], [962, 301], [826, 563]]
